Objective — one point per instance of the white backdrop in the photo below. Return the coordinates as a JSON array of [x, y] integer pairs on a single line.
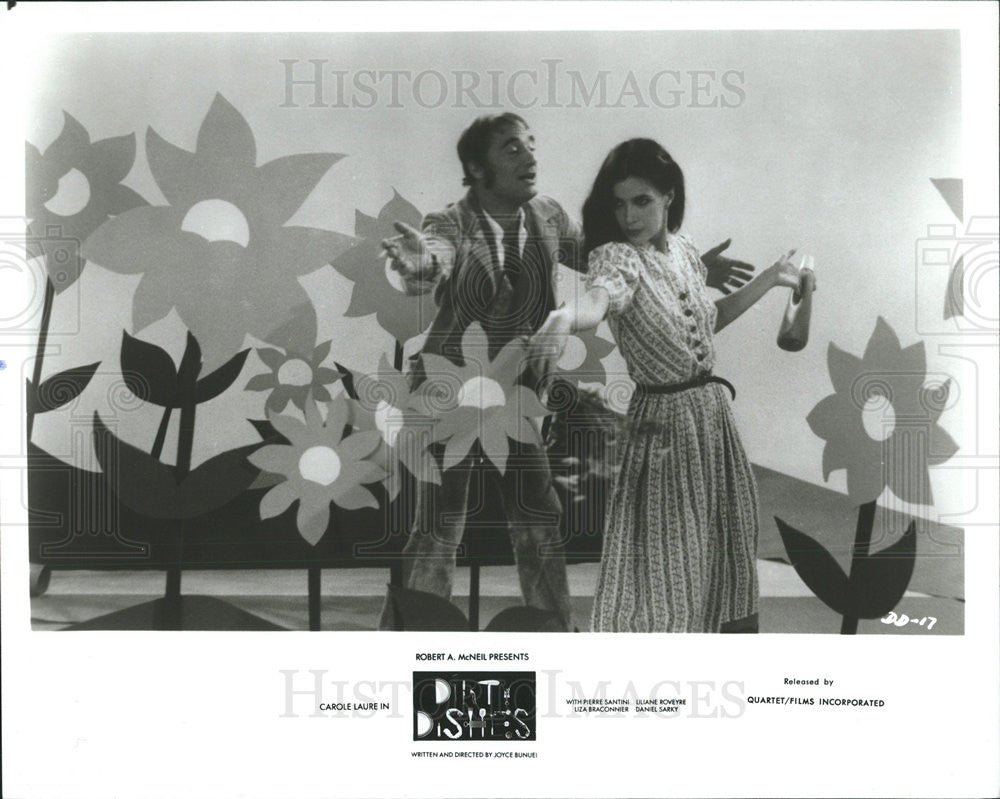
[[824, 141]]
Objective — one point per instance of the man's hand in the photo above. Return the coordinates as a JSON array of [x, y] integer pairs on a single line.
[[725, 274], [413, 256]]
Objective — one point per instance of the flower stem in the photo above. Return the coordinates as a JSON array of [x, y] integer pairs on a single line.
[[397, 360], [396, 568], [313, 590], [43, 337], [161, 433], [188, 378], [862, 543]]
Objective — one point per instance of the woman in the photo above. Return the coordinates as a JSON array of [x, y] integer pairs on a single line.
[[680, 540]]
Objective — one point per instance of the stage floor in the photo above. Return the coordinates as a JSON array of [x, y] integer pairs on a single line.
[[352, 598]]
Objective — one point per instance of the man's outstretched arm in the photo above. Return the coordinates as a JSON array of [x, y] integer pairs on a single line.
[[422, 258]]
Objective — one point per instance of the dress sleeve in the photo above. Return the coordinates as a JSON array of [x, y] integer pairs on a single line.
[[615, 268], [690, 250]]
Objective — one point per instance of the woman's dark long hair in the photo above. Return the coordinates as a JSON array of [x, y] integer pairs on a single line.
[[635, 158]]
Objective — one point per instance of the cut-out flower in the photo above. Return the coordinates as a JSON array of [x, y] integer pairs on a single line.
[[220, 252], [70, 191], [378, 289], [479, 400], [580, 361], [293, 377], [881, 422], [384, 404], [320, 467]]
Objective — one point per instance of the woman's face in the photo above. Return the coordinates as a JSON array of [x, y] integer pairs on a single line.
[[640, 209]]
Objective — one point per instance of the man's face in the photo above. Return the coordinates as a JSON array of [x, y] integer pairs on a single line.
[[510, 169]]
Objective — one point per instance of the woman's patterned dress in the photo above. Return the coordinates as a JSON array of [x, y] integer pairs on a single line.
[[680, 539]]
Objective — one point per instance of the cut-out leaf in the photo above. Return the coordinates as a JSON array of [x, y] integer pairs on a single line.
[[60, 388], [191, 363], [423, 612], [268, 432], [347, 378], [266, 480], [150, 487], [879, 581], [222, 378], [954, 298], [217, 481], [149, 372], [816, 567]]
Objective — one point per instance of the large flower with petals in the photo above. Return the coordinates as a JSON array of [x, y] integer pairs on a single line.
[[70, 191], [384, 404], [220, 252], [479, 400], [378, 289], [881, 424], [320, 467], [294, 377]]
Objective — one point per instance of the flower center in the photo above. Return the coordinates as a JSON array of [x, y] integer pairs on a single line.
[[217, 220], [389, 421], [295, 372], [72, 194], [878, 418], [320, 465], [395, 279], [482, 393], [574, 355]]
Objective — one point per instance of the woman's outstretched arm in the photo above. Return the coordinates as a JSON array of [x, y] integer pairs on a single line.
[[781, 273], [585, 312]]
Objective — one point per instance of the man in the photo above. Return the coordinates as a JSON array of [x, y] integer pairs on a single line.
[[490, 258]]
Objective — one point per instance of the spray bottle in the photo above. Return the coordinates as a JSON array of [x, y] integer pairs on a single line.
[[794, 332]]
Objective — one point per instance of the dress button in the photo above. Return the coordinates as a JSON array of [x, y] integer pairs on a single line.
[[688, 312], [682, 296]]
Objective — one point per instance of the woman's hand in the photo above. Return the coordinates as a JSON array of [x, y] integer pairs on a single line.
[[547, 345], [784, 273]]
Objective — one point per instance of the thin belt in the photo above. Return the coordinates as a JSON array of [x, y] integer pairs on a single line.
[[674, 388]]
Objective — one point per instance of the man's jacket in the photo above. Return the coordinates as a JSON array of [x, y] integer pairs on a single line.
[[472, 286]]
